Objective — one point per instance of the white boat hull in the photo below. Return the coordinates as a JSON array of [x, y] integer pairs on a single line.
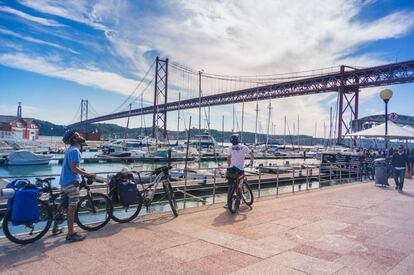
[[24, 157], [36, 162]]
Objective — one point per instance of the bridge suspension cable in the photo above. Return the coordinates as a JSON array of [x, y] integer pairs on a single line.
[[93, 111], [126, 101], [76, 116]]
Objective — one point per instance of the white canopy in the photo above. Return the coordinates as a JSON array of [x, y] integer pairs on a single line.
[[394, 132]]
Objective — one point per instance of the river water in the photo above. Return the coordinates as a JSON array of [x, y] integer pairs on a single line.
[[54, 168]]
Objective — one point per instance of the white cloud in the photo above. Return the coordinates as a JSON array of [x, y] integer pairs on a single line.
[[39, 20], [85, 76], [79, 11], [35, 40]]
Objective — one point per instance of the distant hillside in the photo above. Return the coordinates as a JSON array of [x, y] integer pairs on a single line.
[[109, 131]]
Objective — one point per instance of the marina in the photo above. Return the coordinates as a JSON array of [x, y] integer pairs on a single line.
[[206, 187], [206, 137]]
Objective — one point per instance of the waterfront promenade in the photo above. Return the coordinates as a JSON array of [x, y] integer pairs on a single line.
[[347, 229]]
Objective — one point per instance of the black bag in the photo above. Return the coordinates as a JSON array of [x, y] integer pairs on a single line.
[[114, 188], [233, 173], [128, 193]]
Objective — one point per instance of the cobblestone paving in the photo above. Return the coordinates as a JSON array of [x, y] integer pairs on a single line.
[[348, 229]]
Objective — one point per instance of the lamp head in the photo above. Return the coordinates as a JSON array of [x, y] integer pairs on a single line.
[[386, 95]]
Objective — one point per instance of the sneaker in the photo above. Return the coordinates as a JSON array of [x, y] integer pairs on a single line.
[[57, 230], [226, 206], [75, 237]]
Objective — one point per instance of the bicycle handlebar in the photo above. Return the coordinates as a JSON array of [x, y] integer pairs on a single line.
[[162, 169], [89, 180]]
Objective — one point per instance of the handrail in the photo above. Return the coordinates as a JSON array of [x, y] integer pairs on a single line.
[[263, 184]]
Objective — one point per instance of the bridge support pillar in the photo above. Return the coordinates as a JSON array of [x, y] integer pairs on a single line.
[[348, 104], [159, 121]]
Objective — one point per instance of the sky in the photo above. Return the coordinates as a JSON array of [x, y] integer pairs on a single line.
[[55, 53]]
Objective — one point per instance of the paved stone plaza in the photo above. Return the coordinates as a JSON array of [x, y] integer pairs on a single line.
[[348, 229]]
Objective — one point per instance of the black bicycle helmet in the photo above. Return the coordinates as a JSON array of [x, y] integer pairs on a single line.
[[234, 139], [68, 136]]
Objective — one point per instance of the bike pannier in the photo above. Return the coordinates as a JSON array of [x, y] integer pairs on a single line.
[[128, 193], [25, 208]]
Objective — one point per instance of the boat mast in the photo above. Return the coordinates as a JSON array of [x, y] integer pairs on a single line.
[[208, 121], [233, 118], [298, 133], [199, 111], [127, 125], [268, 122], [222, 132], [330, 126], [257, 117], [142, 115], [293, 136], [242, 122], [284, 133], [178, 118]]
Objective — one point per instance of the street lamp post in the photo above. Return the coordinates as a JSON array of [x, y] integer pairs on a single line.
[[386, 96]]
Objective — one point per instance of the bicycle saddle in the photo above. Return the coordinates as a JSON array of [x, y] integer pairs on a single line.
[[45, 179]]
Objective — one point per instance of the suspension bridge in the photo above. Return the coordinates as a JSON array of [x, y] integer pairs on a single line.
[[198, 89]]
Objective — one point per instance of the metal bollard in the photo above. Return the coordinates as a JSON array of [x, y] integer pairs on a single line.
[[293, 179], [260, 182], [340, 174], [330, 174], [319, 176], [214, 186], [357, 172], [185, 188], [349, 173], [277, 181], [307, 178]]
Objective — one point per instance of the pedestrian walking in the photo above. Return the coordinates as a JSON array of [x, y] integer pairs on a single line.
[[400, 162]]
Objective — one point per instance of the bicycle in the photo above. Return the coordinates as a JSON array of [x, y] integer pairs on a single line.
[[239, 190], [93, 212], [367, 170], [125, 213]]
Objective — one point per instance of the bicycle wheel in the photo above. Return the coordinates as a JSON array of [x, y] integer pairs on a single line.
[[29, 232], [233, 201], [247, 193], [93, 212], [171, 197], [122, 213]]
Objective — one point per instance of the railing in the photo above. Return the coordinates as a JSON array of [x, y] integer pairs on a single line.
[[283, 180]]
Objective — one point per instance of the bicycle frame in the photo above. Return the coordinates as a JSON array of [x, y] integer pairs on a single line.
[[152, 185]]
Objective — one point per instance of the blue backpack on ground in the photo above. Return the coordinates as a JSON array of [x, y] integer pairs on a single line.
[[24, 203]]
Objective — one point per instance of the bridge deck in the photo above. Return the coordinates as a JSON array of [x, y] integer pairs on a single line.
[[348, 229]]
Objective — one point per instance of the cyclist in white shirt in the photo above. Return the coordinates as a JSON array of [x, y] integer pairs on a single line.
[[237, 153]]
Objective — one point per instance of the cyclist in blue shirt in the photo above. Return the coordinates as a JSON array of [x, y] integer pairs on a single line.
[[70, 179]]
